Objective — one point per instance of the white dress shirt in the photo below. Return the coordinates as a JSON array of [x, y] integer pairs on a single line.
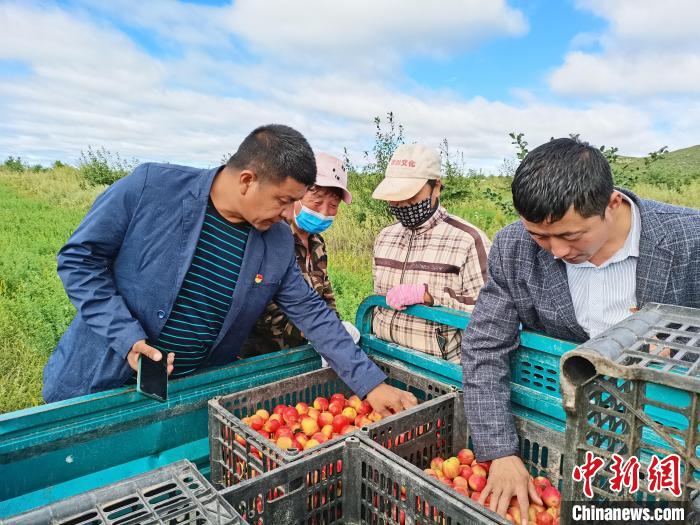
[[603, 295]]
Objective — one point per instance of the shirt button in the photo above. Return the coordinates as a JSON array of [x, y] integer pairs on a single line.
[[161, 314]]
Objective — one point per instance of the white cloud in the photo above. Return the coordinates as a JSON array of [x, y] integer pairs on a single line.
[[367, 31], [649, 49], [92, 84]]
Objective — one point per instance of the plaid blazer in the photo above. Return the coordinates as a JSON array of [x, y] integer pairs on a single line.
[[527, 285]]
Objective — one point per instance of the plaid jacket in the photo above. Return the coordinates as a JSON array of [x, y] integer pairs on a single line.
[[449, 255], [527, 285], [273, 330]]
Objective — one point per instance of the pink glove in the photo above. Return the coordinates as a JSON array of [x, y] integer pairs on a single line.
[[403, 295]]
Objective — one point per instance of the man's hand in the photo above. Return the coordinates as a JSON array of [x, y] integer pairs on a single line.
[[403, 295], [140, 348], [507, 478], [387, 400]]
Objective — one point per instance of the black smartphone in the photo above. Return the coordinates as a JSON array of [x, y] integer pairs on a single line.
[[152, 378]]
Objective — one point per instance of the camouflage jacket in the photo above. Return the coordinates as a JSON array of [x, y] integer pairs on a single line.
[[273, 330]]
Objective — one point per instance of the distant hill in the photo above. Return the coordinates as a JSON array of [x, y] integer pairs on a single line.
[[675, 168]]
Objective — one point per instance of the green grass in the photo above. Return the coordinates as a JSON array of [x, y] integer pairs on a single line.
[[34, 310], [39, 210]]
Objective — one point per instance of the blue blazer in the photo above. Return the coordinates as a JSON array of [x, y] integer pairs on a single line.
[[124, 265]]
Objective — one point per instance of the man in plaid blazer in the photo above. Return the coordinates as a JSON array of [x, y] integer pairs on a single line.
[[582, 257]]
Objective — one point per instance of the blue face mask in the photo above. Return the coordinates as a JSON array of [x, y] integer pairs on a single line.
[[311, 221]]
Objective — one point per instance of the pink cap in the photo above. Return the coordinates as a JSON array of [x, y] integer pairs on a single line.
[[330, 173]]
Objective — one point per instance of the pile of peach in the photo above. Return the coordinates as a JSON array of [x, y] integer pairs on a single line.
[[468, 477]]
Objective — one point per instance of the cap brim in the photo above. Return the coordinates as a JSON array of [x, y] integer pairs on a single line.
[[347, 196], [398, 189]]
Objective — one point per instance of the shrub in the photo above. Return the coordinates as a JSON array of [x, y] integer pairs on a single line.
[[100, 166]]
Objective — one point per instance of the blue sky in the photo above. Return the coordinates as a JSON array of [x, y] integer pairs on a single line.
[[185, 81]]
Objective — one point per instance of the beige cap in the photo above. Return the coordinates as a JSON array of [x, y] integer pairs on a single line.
[[411, 166], [330, 173]]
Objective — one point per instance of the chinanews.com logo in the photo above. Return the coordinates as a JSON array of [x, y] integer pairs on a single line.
[[662, 474]]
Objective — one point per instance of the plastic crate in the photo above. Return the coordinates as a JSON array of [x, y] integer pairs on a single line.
[[439, 428], [634, 391], [175, 494], [350, 482], [231, 461]]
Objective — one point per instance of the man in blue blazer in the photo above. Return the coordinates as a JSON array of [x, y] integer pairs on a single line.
[[182, 261], [582, 257]]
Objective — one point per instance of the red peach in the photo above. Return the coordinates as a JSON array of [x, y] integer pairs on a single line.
[[327, 431], [309, 426], [430, 472], [365, 408], [301, 438], [290, 415], [459, 481], [263, 414], [340, 398], [340, 422], [515, 512], [284, 442], [465, 456], [302, 408], [375, 416], [350, 413], [477, 482], [321, 403], [335, 408], [264, 433], [349, 429], [476, 495], [541, 483], [551, 497], [320, 437], [271, 425], [533, 510], [311, 444], [464, 491], [362, 421], [354, 402], [465, 472], [284, 431], [450, 467], [544, 518], [479, 470], [279, 409], [256, 422], [436, 463], [325, 418]]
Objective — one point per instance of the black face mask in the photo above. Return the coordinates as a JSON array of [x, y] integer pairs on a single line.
[[414, 215]]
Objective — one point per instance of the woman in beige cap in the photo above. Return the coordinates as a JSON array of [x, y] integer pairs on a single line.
[[427, 257], [313, 214]]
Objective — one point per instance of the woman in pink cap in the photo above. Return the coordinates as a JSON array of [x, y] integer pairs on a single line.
[[312, 215]]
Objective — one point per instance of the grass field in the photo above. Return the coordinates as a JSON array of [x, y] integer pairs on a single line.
[[39, 210]]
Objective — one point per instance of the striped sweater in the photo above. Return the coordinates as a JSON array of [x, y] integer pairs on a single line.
[[205, 297]]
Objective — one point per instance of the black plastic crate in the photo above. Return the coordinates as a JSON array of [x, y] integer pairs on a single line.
[[439, 428], [232, 461], [350, 482], [634, 391], [176, 494]]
